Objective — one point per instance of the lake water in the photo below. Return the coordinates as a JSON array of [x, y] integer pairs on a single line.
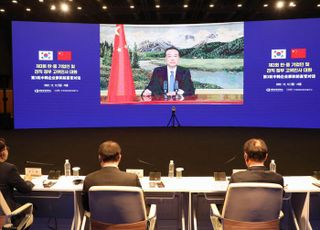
[[224, 79]]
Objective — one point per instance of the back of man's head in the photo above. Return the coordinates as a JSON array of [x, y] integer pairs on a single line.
[[109, 151], [256, 149]]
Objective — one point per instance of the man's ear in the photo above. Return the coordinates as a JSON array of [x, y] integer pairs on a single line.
[[266, 157], [245, 156]]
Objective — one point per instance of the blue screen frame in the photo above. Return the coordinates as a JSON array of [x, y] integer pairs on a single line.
[[268, 101]]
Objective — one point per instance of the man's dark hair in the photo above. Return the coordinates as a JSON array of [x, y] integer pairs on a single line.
[[109, 151], [171, 48], [256, 149], [3, 144]]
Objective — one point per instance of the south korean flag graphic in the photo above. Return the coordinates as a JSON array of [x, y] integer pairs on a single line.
[[278, 54], [45, 55]]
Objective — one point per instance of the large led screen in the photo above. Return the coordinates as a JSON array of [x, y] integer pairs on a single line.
[[248, 74]]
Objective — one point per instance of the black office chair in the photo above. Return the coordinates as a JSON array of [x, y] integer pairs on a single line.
[[6, 214], [250, 206], [119, 207]]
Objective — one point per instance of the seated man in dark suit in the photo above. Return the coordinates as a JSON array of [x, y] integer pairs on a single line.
[[170, 79], [109, 154], [255, 155], [10, 179]]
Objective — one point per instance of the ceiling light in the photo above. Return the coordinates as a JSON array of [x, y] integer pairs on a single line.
[[14, 1], [53, 7], [157, 6], [28, 9], [280, 4], [104, 7], [64, 7], [185, 6], [265, 5], [292, 4], [318, 5], [2, 10], [132, 6], [40, 0], [211, 5], [79, 8], [239, 5]]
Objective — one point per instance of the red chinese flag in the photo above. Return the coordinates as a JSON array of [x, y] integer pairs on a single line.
[[121, 86], [64, 56], [298, 53]]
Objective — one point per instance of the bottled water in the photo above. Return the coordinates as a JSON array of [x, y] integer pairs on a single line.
[[171, 169], [273, 166], [67, 168]]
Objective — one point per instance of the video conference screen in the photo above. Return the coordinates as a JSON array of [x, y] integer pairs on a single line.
[[239, 74]]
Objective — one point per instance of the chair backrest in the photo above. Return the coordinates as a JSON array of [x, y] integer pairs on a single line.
[[253, 202], [4, 208], [6, 214], [117, 204], [4, 211]]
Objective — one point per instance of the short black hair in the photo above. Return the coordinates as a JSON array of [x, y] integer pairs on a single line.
[[3, 144], [109, 151], [171, 48], [256, 149]]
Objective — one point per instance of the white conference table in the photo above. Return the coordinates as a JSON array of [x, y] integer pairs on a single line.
[[293, 184], [63, 194], [299, 186]]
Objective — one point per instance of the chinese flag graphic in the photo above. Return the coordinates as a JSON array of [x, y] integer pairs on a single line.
[[64, 56], [121, 87], [298, 53]]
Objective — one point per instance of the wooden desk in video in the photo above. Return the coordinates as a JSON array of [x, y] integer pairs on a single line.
[[223, 98]]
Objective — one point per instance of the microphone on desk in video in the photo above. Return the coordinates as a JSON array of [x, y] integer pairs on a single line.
[[165, 86], [176, 89], [165, 89], [176, 86]]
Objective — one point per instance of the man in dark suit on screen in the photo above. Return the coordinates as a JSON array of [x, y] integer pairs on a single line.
[[109, 154], [171, 79], [255, 155]]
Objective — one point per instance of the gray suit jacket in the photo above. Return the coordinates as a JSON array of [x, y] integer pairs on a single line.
[[107, 176]]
